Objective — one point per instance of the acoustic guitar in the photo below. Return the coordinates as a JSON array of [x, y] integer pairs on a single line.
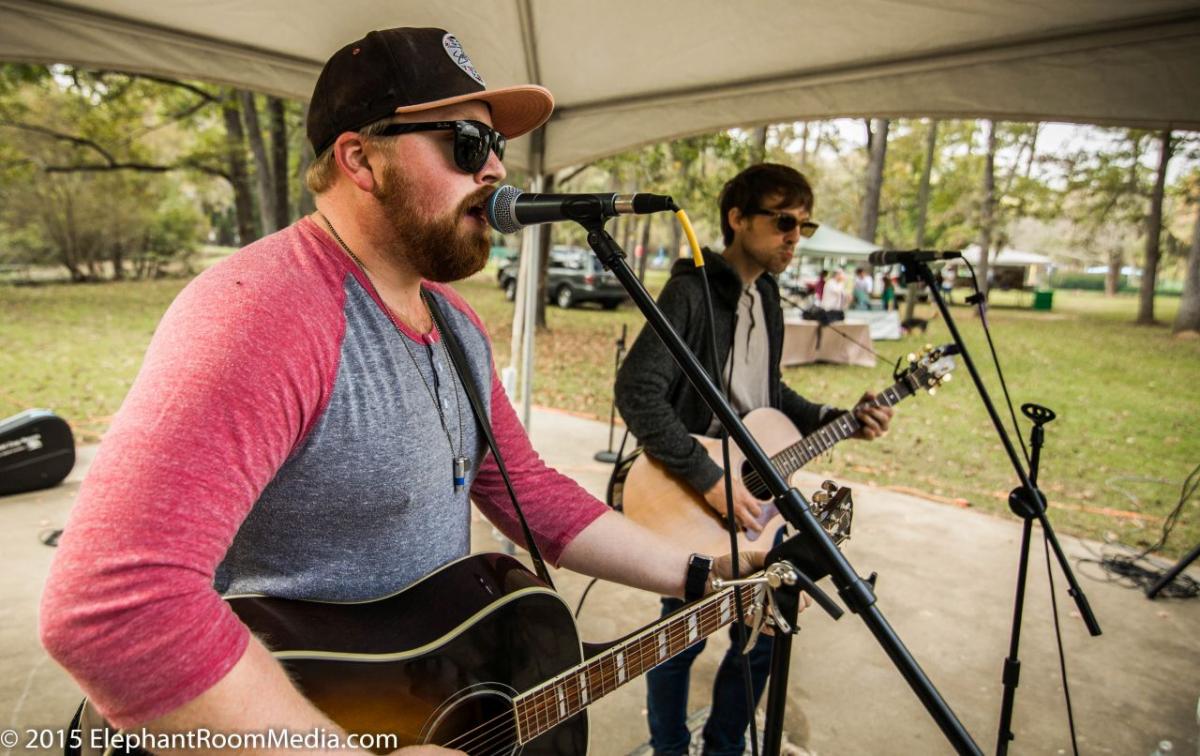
[[650, 495], [479, 656]]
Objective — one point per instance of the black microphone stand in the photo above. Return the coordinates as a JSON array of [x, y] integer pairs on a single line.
[[1026, 500], [608, 455], [813, 544]]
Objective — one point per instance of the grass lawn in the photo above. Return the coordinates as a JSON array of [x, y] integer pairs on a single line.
[[1127, 397]]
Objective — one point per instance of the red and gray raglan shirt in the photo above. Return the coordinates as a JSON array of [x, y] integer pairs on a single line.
[[281, 438]]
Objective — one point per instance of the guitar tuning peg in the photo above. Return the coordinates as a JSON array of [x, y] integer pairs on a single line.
[[830, 486], [912, 357], [946, 378], [928, 348], [933, 390]]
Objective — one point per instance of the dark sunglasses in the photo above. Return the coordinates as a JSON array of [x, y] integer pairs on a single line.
[[472, 140], [787, 223]]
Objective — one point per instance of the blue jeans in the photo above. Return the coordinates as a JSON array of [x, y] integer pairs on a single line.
[[667, 693]]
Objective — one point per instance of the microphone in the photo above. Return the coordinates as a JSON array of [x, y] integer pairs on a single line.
[[509, 209], [906, 256]]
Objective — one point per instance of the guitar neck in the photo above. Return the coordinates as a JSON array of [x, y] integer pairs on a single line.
[[840, 428], [560, 698]]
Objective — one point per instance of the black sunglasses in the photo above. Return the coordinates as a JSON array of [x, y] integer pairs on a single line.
[[472, 140], [787, 223]]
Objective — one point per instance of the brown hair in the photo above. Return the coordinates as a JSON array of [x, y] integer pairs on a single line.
[[747, 190]]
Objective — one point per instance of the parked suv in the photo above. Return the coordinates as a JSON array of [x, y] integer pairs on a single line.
[[574, 276]]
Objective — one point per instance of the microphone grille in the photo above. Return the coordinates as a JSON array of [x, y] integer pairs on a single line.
[[500, 209]]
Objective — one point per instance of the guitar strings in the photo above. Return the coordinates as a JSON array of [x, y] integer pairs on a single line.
[[539, 700], [675, 630], [542, 701], [753, 481]]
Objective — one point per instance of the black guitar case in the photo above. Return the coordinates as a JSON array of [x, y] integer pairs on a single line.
[[37, 450]]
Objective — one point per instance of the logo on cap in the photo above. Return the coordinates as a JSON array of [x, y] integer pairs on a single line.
[[457, 54]]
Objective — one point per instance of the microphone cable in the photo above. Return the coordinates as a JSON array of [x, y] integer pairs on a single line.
[[980, 301], [730, 519]]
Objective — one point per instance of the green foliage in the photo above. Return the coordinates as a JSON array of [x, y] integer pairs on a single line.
[[88, 170]]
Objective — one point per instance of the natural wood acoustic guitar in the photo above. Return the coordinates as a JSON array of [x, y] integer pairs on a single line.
[[650, 495]]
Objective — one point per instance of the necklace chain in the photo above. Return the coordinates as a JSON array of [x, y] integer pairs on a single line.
[[458, 454]]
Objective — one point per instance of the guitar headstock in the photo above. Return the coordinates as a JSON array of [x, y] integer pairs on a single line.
[[833, 506], [929, 368]]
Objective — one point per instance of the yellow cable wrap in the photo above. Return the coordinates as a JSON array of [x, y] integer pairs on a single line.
[[690, 232]]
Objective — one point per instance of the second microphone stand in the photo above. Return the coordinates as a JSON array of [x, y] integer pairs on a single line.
[[856, 592], [1026, 500]]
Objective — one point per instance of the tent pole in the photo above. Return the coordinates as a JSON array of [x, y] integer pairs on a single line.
[[531, 268]]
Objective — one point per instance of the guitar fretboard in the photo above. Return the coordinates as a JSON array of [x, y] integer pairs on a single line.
[[558, 699], [824, 438]]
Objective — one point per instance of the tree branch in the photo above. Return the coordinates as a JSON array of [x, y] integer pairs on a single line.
[[203, 93], [140, 167], [578, 170], [79, 141]]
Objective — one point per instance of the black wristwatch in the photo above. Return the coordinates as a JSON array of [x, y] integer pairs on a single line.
[[696, 583]]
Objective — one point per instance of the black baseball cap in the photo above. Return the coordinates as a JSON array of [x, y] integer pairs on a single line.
[[407, 70]]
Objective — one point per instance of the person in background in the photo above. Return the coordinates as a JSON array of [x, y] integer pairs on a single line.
[[819, 286], [863, 288], [833, 298], [888, 296]]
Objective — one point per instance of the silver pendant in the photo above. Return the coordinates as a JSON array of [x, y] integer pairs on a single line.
[[461, 465]]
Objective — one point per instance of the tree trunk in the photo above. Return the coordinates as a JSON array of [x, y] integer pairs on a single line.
[[910, 301], [262, 168], [235, 143], [758, 144], [877, 143], [1112, 276], [306, 157], [676, 229], [988, 209], [645, 245], [279, 160], [1188, 318], [1153, 231], [629, 229], [117, 258], [544, 263], [804, 145]]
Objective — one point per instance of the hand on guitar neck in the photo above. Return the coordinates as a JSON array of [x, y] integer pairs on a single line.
[[874, 417], [748, 509]]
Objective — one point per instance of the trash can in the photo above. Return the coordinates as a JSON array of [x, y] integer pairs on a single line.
[[1043, 299]]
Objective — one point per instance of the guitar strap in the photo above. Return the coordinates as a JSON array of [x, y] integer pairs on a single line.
[[459, 361]]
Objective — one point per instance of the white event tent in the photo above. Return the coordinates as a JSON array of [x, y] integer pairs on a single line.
[[629, 72]]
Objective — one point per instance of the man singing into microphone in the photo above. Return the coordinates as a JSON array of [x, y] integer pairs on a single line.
[[765, 211], [298, 429]]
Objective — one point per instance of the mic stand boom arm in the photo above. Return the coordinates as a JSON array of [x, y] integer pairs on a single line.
[[855, 592]]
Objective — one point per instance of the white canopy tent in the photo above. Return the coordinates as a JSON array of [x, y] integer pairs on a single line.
[[1033, 267], [634, 72], [829, 242]]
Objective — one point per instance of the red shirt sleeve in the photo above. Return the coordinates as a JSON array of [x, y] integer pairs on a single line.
[[232, 381]]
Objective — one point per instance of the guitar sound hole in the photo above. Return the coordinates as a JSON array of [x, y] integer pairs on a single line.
[[479, 721], [753, 484]]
